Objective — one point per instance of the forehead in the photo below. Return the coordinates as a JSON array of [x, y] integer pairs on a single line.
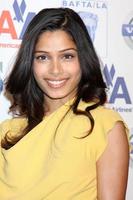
[[55, 39]]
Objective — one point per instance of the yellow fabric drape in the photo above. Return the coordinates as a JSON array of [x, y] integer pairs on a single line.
[[48, 166]]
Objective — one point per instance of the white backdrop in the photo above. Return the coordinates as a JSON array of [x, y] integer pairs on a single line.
[[110, 24]]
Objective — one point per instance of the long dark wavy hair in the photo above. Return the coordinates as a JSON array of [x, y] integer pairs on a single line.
[[28, 98]]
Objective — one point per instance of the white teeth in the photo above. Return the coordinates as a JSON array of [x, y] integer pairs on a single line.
[[56, 82]]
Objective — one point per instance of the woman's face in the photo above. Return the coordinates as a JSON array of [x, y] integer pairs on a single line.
[[56, 65]]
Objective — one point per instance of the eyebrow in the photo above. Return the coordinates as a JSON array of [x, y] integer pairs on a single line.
[[62, 50]]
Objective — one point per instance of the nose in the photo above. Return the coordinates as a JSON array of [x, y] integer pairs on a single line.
[[56, 67]]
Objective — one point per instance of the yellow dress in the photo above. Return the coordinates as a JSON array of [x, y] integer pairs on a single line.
[[48, 166]]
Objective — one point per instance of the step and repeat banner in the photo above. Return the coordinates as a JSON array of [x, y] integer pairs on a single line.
[[110, 24]]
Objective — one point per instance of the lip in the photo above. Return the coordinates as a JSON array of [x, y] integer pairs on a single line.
[[56, 83]]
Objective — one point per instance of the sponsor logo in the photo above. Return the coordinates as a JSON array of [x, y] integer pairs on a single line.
[[85, 4], [118, 89], [127, 30], [13, 23]]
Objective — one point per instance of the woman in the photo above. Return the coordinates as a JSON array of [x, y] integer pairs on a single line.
[[62, 142]]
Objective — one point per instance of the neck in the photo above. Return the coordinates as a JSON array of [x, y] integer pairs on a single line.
[[53, 104]]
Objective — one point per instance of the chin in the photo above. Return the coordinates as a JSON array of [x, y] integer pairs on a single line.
[[57, 97], [60, 96]]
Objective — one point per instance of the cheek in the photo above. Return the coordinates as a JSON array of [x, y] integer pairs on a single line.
[[79, 74], [76, 71], [38, 71]]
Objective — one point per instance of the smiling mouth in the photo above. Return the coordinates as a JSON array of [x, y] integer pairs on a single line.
[[56, 83]]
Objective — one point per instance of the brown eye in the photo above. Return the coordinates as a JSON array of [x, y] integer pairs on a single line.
[[41, 57], [68, 56]]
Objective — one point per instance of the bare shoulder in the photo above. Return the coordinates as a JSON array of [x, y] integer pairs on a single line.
[[112, 166], [118, 145]]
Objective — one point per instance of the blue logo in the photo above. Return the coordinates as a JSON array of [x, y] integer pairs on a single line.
[[91, 21], [117, 84], [127, 30], [19, 15]]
